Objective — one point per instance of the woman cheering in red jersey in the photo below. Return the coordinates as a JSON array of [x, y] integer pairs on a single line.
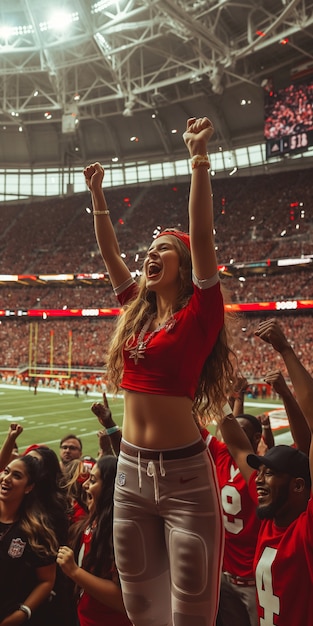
[[94, 573], [171, 357]]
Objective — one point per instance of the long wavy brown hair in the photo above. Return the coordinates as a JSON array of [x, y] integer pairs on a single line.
[[217, 373], [33, 518]]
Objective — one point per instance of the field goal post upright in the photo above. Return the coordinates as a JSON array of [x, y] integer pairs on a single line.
[[32, 349], [70, 348], [51, 351], [36, 371]]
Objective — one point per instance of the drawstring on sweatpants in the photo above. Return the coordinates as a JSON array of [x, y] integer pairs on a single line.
[[139, 470], [162, 470], [153, 472]]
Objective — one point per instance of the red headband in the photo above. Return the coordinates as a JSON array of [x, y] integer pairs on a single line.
[[32, 447], [184, 237]]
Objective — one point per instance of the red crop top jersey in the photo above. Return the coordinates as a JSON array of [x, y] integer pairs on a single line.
[[174, 356]]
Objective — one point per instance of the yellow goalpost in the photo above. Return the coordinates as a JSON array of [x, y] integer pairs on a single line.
[[36, 371]]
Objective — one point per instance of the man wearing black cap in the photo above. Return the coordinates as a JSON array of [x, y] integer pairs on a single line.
[[282, 467], [280, 482]]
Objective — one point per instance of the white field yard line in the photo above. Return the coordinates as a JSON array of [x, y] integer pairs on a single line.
[[65, 392], [270, 405], [62, 424]]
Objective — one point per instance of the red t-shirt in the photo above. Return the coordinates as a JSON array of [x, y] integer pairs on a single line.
[[284, 570], [91, 612], [240, 520], [174, 358], [77, 513]]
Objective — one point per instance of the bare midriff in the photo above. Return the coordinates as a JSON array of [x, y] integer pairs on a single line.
[[158, 422]]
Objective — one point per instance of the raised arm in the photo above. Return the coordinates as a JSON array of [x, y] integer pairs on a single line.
[[196, 137], [112, 431], [9, 443], [105, 234], [237, 442], [298, 425], [267, 438], [237, 398], [302, 381]]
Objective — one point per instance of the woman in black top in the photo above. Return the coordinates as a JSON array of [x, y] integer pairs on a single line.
[[28, 545]]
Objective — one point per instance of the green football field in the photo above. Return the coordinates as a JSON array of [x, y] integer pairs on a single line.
[[47, 416]]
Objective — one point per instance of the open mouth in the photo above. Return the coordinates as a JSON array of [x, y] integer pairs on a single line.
[[90, 501], [153, 269], [262, 493], [4, 488], [89, 498]]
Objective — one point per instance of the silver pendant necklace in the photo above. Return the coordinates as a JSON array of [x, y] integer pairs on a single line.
[[138, 352]]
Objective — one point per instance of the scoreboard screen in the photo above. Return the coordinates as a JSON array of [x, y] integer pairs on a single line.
[[288, 123]]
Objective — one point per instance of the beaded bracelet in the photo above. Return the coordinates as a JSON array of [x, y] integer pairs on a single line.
[[200, 159], [106, 212]]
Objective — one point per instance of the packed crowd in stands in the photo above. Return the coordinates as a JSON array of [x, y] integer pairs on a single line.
[[88, 342], [56, 236], [90, 339], [19, 298], [265, 287], [289, 111]]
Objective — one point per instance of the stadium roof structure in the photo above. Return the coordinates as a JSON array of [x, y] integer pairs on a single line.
[[116, 79]]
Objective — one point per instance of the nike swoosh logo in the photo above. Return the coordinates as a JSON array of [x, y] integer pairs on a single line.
[[186, 480]]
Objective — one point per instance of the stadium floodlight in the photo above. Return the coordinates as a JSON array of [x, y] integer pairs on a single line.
[[59, 20]]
